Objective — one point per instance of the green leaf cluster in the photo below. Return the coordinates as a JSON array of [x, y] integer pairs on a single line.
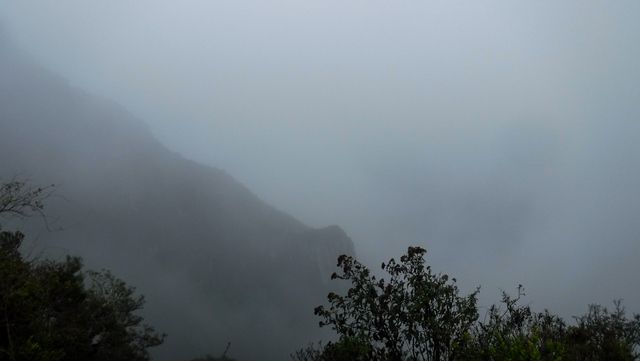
[[54, 311]]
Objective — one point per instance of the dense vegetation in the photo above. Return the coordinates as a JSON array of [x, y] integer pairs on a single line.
[[419, 315], [55, 310]]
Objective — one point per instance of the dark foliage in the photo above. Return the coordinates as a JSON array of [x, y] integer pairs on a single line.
[[416, 313], [19, 199], [419, 315], [49, 310]]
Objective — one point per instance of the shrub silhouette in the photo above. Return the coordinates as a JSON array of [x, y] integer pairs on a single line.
[[418, 315], [50, 310]]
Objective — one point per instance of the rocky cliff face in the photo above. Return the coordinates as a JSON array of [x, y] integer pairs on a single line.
[[216, 263]]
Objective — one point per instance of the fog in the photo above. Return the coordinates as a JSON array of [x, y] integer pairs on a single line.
[[502, 136]]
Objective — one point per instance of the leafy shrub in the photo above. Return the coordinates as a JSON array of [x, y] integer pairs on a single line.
[[50, 311], [419, 315]]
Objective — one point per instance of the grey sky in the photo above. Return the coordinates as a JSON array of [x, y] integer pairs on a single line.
[[502, 135]]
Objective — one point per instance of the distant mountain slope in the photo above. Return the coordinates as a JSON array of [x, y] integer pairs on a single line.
[[216, 263]]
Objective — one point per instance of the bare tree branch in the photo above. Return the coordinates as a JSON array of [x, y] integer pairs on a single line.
[[20, 199]]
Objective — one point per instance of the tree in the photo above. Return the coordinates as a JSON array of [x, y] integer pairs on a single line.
[[514, 332], [51, 311], [601, 334], [419, 315], [415, 315], [20, 199]]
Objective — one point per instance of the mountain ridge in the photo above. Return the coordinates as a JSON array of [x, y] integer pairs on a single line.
[[216, 262]]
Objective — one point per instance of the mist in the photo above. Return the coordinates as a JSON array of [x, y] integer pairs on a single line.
[[501, 136]]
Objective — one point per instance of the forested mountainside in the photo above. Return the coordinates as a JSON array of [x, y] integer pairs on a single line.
[[215, 263]]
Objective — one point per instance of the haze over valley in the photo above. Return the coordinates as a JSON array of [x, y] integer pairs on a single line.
[[220, 155]]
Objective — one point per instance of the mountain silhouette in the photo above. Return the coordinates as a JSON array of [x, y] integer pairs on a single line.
[[215, 262]]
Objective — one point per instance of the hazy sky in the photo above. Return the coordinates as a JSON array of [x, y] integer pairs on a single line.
[[502, 135]]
